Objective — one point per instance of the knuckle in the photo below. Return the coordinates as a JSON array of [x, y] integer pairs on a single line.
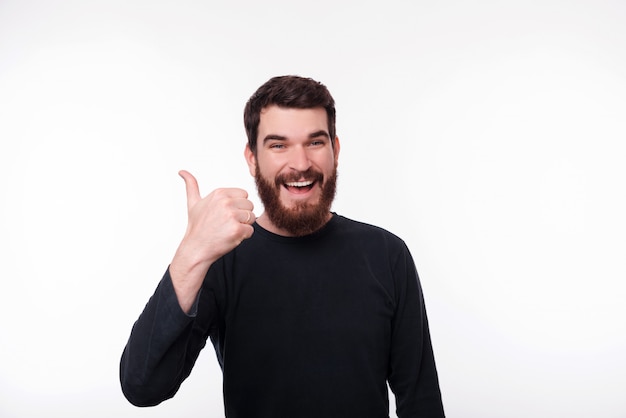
[[218, 193]]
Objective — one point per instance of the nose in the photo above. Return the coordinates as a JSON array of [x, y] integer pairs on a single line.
[[299, 159]]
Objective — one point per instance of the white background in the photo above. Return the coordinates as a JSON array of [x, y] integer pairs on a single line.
[[489, 135]]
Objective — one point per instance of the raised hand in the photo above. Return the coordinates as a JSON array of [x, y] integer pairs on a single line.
[[216, 224]]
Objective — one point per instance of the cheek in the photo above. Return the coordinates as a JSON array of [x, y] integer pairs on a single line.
[[268, 172], [329, 165]]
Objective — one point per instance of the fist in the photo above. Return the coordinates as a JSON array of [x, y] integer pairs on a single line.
[[218, 222]]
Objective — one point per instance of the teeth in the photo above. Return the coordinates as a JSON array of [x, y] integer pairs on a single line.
[[299, 183]]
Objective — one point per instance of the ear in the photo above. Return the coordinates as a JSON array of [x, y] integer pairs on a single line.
[[336, 148], [250, 159]]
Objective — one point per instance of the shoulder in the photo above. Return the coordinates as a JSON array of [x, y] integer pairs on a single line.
[[364, 232], [361, 227]]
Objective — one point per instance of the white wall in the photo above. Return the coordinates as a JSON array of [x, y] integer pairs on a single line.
[[488, 134]]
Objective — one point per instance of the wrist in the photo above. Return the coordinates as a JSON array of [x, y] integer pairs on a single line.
[[187, 271]]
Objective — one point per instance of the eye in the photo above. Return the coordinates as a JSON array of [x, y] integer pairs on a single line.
[[317, 143], [277, 145]]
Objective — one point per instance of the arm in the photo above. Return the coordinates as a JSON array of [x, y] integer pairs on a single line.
[[413, 375], [163, 347], [167, 337]]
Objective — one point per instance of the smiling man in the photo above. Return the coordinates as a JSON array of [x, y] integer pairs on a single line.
[[311, 314]]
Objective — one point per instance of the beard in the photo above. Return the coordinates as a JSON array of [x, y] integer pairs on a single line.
[[303, 218]]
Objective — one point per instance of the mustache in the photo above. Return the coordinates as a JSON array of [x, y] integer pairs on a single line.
[[308, 175]]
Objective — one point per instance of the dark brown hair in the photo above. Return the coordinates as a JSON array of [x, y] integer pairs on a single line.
[[288, 91]]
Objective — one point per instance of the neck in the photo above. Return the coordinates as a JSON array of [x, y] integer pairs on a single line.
[[264, 221]]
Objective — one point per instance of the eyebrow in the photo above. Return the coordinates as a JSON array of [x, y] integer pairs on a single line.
[[318, 134], [274, 137]]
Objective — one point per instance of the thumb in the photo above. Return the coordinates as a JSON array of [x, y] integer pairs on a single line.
[[191, 186]]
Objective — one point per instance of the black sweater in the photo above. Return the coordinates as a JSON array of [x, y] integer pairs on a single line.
[[303, 327]]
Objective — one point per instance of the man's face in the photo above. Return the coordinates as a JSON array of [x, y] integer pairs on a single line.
[[295, 168]]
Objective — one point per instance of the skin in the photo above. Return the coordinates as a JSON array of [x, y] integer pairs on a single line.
[[290, 140]]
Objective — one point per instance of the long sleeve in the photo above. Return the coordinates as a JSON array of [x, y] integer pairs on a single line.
[[413, 375], [163, 346]]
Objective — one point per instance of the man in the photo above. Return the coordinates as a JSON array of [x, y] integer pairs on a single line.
[[310, 313]]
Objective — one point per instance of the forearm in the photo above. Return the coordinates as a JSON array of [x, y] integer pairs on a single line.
[[161, 350], [418, 395], [413, 374]]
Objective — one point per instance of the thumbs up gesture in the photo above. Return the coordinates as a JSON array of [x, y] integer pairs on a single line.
[[216, 224]]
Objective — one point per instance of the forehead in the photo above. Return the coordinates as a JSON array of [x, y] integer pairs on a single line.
[[288, 122]]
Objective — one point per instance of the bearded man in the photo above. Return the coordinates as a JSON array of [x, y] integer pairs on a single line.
[[311, 314]]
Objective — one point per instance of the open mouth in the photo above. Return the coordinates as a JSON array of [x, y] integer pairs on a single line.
[[300, 182], [299, 186]]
